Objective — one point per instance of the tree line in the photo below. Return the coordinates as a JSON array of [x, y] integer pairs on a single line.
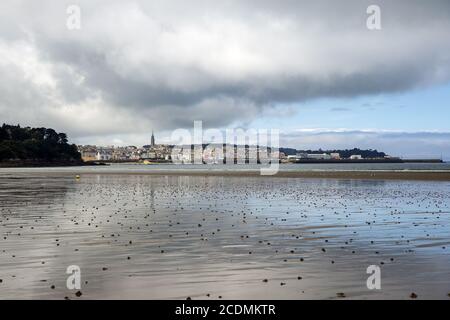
[[36, 144]]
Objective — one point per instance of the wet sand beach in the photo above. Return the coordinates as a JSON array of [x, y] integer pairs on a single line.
[[209, 236]]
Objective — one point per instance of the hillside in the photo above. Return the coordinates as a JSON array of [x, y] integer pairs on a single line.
[[35, 146]]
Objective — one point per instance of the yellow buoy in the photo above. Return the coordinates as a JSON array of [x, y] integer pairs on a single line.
[[77, 177]]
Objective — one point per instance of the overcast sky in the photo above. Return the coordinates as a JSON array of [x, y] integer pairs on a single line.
[[309, 68]]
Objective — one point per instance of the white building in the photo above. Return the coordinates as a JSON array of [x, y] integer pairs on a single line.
[[103, 155], [335, 156], [356, 157], [301, 155], [323, 156]]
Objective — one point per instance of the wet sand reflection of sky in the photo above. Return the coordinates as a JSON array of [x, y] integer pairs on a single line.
[[203, 237]]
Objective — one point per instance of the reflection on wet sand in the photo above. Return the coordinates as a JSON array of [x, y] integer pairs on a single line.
[[138, 236]]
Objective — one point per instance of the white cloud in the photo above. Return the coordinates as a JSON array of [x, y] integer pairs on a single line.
[[138, 65]]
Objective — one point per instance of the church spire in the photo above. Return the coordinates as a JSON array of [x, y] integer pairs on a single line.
[[152, 143]]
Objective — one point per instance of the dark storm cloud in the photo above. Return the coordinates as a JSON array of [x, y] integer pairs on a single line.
[[140, 64]]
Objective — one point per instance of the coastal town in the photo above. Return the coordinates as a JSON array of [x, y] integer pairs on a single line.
[[214, 154], [153, 151]]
